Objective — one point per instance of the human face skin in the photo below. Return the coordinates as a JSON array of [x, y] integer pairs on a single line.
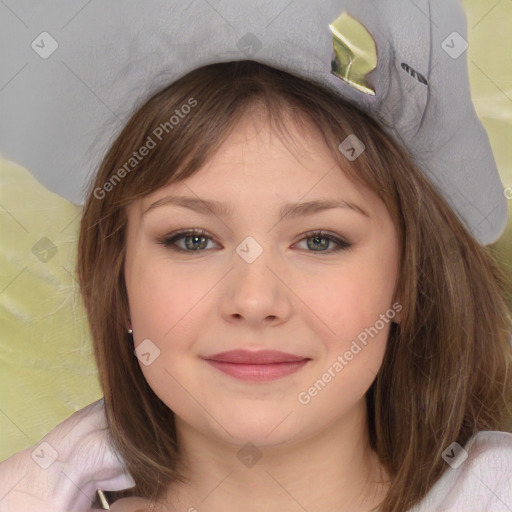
[[302, 300]]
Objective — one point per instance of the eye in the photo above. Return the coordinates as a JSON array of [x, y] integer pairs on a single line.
[[321, 239], [197, 240], [194, 240]]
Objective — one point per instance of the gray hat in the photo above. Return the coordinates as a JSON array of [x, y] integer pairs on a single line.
[[71, 79]]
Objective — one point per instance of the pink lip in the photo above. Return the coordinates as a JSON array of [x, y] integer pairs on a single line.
[[255, 357], [258, 372], [259, 366]]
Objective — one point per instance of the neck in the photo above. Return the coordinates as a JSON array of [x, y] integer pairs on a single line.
[[333, 470]]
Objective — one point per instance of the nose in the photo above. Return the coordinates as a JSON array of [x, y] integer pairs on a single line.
[[256, 292]]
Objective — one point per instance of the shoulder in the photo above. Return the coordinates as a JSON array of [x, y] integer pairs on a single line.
[[131, 505], [491, 440], [480, 477], [490, 453]]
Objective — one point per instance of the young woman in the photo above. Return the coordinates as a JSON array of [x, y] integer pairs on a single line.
[[278, 324], [286, 312]]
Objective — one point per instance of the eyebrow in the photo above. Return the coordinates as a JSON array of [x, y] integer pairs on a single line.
[[221, 209]]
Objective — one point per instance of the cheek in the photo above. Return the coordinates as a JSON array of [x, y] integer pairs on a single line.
[[164, 306], [356, 305], [354, 299], [149, 297], [161, 296]]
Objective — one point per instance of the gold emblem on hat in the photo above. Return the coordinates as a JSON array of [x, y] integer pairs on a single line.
[[355, 52]]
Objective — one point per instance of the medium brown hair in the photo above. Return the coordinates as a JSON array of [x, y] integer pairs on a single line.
[[446, 371]]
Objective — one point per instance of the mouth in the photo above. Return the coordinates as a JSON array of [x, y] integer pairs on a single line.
[[263, 365]]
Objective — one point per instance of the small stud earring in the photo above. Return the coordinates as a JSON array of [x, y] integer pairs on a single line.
[[130, 331]]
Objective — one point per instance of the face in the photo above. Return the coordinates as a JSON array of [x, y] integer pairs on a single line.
[[254, 280]]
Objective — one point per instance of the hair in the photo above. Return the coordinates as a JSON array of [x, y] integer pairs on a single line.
[[446, 370]]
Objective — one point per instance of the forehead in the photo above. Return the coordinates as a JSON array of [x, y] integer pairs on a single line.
[[268, 162], [268, 157]]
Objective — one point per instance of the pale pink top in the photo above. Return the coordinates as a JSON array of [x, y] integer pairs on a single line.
[[481, 483]]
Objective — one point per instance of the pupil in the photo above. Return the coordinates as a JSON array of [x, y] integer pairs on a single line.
[[316, 241], [195, 238]]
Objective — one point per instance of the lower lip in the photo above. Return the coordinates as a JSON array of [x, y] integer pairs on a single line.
[[258, 372]]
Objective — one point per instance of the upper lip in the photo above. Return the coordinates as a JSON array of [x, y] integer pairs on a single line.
[[255, 357]]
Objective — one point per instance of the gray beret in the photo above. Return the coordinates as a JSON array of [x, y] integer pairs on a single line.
[[71, 79]]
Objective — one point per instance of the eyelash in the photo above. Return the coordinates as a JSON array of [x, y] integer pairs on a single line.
[[169, 240]]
